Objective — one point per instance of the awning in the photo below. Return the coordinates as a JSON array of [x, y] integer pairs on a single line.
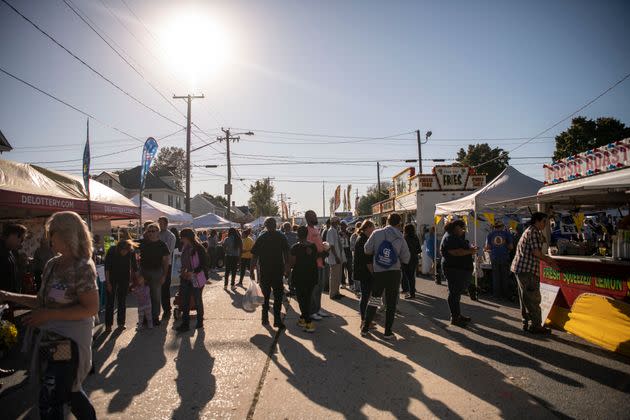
[[32, 191], [611, 189], [211, 220], [152, 210]]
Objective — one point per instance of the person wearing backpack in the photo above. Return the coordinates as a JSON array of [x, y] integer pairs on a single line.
[[388, 249]]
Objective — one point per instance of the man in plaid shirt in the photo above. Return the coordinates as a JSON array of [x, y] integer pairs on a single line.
[[526, 267]]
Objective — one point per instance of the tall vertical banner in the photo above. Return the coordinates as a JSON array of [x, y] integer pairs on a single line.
[[285, 210], [148, 153], [337, 198], [349, 191], [345, 202], [86, 172], [356, 205]]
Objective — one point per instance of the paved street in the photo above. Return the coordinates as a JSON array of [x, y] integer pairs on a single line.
[[238, 369]]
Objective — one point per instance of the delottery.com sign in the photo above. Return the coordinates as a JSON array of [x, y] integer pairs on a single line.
[[574, 282]]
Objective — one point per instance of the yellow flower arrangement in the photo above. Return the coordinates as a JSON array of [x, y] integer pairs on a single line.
[[8, 335]]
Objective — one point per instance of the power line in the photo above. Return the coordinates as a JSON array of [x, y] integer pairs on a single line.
[[589, 103], [323, 135], [67, 2], [69, 105], [80, 60]]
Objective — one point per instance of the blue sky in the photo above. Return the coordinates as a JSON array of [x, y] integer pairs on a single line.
[[468, 71]]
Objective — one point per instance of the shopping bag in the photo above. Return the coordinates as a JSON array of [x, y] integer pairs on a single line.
[[253, 297]]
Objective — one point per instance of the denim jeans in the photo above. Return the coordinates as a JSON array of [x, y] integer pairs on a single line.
[[245, 263], [304, 294], [187, 290], [409, 278], [119, 296], [231, 263], [269, 281], [56, 391], [316, 300], [166, 292], [152, 278], [500, 278]]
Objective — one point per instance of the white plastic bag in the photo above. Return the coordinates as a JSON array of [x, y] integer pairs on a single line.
[[253, 297]]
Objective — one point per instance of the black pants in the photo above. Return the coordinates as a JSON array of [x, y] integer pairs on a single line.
[[231, 263], [366, 292], [346, 270], [212, 257], [187, 290], [166, 292], [458, 281], [120, 287], [245, 262], [304, 295], [269, 281], [388, 282], [56, 391], [409, 278]]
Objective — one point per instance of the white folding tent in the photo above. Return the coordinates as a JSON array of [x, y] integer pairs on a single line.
[[152, 210], [211, 220], [508, 185], [259, 222]]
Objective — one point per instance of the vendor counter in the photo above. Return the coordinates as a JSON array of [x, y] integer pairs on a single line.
[[581, 274]]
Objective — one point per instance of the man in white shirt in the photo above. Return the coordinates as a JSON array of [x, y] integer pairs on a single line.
[[169, 239], [388, 249], [335, 258]]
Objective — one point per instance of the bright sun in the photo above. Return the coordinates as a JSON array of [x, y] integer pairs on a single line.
[[198, 47]]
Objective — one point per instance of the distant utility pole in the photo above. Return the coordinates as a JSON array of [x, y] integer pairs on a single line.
[[189, 99], [420, 143], [228, 187], [323, 198], [378, 180]]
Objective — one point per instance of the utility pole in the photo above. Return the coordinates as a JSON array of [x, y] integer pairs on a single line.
[[378, 179], [420, 143], [189, 99], [323, 198], [228, 187]]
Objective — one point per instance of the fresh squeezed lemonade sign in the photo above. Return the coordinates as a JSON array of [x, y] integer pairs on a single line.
[[595, 161]]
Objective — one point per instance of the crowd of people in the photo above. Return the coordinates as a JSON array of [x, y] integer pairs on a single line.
[[377, 263]]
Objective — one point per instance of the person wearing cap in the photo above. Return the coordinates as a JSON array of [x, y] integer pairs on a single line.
[[499, 243], [271, 252], [335, 258]]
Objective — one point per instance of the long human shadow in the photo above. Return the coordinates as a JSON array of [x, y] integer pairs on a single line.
[[133, 368], [349, 375], [196, 385]]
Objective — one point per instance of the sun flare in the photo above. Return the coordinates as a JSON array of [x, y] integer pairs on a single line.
[[198, 46]]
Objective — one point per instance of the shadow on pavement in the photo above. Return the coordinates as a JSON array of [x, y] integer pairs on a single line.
[[196, 385], [129, 374]]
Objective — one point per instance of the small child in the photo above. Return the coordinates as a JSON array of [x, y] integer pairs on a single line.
[[143, 297]]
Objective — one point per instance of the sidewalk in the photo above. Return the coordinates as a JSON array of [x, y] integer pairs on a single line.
[[235, 368]]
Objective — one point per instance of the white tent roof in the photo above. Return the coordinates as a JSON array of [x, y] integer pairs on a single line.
[[211, 220], [152, 210], [257, 223], [508, 185]]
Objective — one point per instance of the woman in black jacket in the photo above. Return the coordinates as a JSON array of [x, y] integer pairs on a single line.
[[363, 266], [409, 270]]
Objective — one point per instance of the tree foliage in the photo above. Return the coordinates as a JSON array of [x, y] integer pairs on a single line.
[[261, 200], [480, 154], [371, 197], [172, 159], [219, 199], [585, 134]]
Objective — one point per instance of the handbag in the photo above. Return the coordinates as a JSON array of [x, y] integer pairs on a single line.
[[199, 279], [56, 350]]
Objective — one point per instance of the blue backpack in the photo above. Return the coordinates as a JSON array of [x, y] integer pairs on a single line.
[[386, 255]]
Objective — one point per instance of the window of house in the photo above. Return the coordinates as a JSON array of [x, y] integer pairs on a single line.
[[170, 200], [178, 202]]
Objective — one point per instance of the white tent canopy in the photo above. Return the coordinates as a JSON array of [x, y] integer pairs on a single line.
[[152, 210], [211, 220], [508, 185], [257, 223]]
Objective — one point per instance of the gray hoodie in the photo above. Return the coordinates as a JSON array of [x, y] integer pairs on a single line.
[[399, 244]]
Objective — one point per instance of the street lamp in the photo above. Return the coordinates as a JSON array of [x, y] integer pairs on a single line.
[[420, 143]]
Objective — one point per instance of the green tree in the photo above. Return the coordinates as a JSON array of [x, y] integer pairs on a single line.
[[172, 159], [371, 197], [585, 134], [261, 200], [479, 154], [219, 199]]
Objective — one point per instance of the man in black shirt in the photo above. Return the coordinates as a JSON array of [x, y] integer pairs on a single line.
[[303, 260], [154, 262], [120, 262], [271, 251], [10, 242]]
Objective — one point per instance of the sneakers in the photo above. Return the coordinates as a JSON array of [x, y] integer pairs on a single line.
[[459, 322], [233, 288], [388, 336], [309, 327], [364, 333], [301, 322], [322, 313], [539, 330], [316, 317]]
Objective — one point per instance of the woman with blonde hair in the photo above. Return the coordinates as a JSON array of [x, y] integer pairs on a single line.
[[63, 313]]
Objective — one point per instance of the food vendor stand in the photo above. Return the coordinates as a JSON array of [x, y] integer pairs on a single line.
[[593, 291]]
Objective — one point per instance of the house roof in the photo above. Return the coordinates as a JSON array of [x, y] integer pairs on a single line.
[[130, 179], [5, 146], [112, 174], [244, 209], [212, 201]]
